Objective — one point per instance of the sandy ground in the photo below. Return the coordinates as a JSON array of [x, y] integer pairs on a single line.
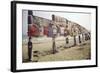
[[78, 52], [81, 52]]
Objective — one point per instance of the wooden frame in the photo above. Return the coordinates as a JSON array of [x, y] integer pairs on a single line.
[[14, 9]]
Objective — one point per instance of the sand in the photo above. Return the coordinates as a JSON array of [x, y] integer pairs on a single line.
[[78, 52]]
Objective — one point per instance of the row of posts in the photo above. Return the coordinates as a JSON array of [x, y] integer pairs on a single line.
[[54, 50]]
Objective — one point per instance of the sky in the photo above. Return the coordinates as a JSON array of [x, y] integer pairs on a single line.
[[84, 19]]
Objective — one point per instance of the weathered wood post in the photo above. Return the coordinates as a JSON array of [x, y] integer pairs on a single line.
[[74, 40], [66, 33], [79, 34], [29, 49], [79, 38], [53, 38], [74, 35], [54, 45], [83, 39], [29, 35], [54, 30], [85, 36]]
